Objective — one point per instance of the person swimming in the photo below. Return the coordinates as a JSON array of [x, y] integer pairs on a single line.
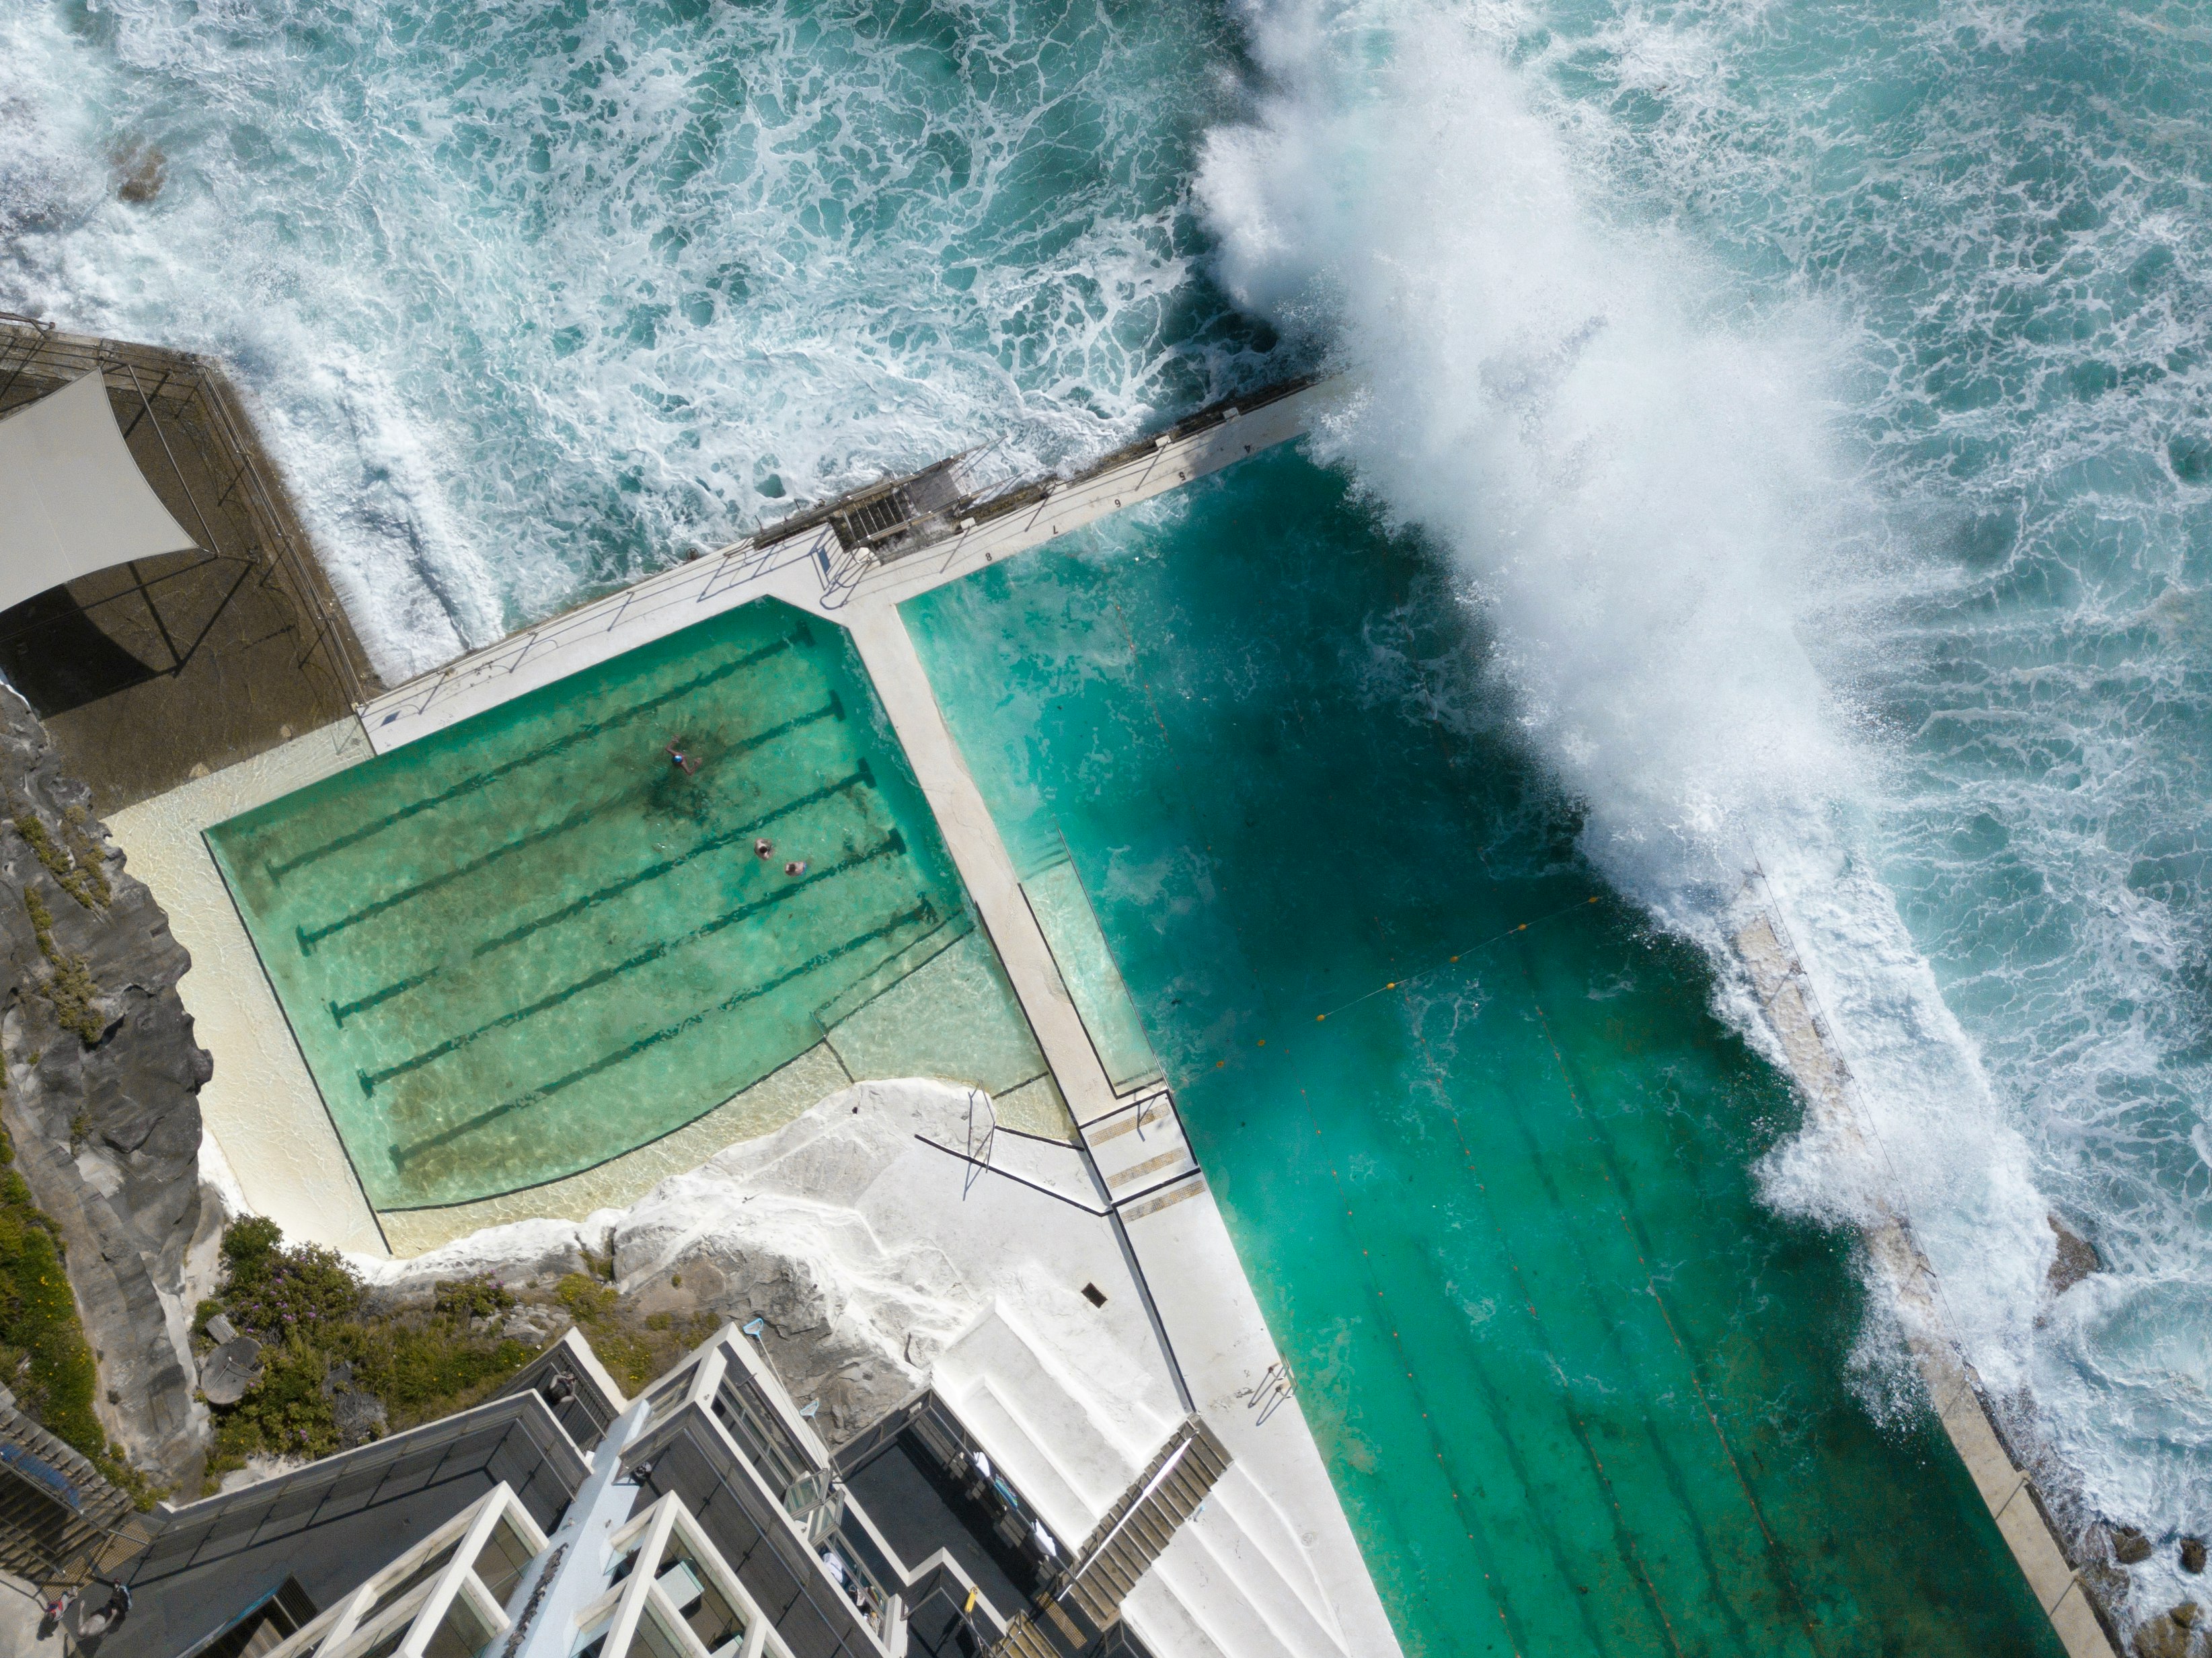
[[763, 849], [796, 867], [682, 762]]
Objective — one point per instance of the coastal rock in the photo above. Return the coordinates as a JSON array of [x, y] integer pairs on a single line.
[[810, 1229], [359, 1415], [102, 1080], [522, 1255], [2192, 1555], [2169, 1635], [2129, 1547], [2076, 1258]]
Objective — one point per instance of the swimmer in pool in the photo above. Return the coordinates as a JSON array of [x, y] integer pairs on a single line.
[[762, 849], [796, 867], [682, 762]]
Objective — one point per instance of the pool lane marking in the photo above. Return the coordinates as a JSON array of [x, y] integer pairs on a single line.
[[309, 937], [341, 1011], [1511, 1623], [893, 844], [346, 1010], [1624, 1538], [922, 912], [1420, 973], [482, 780], [1602, 1145], [1602, 1338]]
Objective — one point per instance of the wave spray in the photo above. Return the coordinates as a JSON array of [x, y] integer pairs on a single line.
[[1630, 463]]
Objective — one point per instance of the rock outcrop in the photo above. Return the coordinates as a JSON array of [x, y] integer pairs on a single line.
[[2075, 1259], [819, 1231], [102, 1078]]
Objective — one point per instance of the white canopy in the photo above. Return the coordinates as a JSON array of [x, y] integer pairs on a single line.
[[72, 499]]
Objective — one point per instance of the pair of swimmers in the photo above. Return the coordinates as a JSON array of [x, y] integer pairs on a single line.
[[761, 849]]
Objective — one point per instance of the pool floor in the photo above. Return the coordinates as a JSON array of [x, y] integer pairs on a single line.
[[530, 942], [1485, 1151]]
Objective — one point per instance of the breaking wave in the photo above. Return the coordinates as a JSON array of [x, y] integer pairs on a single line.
[[1738, 368]]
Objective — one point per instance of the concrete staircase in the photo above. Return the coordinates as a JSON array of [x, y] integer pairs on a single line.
[[1229, 1580], [1137, 1530], [1141, 1151]]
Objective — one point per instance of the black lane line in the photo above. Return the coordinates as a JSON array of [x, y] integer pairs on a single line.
[[402, 1155], [582, 733], [341, 1011], [891, 846], [310, 936]]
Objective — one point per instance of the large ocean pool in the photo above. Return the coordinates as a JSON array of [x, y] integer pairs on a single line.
[[1482, 1145]]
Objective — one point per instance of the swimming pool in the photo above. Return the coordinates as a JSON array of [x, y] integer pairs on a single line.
[[532, 942], [1484, 1150]]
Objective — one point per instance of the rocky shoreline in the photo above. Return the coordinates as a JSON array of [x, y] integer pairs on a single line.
[[102, 1077]]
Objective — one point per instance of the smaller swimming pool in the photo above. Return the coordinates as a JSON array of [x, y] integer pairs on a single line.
[[532, 942]]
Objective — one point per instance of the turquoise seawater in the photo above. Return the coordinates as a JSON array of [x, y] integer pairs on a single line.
[[1483, 1147], [1810, 404]]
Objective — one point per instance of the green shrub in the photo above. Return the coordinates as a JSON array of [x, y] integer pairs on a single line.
[[48, 1363], [587, 1300], [277, 1292], [45, 1359], [478, 1296], [285, 1414], [423, 1371]]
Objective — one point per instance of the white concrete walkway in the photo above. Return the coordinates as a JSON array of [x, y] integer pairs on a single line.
[[802, 571]]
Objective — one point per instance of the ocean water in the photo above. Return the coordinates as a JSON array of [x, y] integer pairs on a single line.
[[1809, 404], [535, 297]]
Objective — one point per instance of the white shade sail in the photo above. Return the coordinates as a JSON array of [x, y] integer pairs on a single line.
[[72, 501]]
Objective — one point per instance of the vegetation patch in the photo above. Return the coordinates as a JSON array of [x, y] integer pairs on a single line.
[[76, 866], [68, 985], [45, 1359], [328, 1340]]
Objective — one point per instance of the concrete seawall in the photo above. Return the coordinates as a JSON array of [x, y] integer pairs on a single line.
[[1762, 945]]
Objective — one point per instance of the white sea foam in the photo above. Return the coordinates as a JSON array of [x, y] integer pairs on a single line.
[[533, 298], [1631, 462]]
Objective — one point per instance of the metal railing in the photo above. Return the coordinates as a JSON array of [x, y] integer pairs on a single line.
[[56, 1510]]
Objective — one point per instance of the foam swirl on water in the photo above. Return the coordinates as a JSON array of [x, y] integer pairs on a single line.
[[533, 297], [1631, 456]]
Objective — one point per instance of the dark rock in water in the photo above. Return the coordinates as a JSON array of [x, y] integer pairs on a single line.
[[102, 1080], [2167, 1635], [2192, 1555], [2129, 1547], [2077, 1258], [140, 174]]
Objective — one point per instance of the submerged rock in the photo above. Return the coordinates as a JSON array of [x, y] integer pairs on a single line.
[[140, 173], [2077, 1258], [102, 1080], [2169, 1635]]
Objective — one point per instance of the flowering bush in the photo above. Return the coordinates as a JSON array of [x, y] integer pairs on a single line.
[[478, 1296], [275, 1292]]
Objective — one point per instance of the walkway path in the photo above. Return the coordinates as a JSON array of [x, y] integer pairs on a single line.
[[812, 570]]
